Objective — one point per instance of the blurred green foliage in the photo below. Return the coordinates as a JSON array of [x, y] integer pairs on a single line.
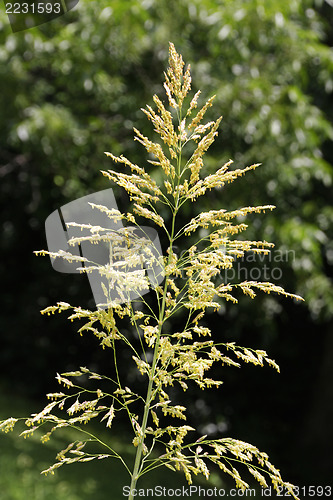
[[73, 88]]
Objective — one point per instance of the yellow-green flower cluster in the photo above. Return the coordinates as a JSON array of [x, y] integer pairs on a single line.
[[165, 357]]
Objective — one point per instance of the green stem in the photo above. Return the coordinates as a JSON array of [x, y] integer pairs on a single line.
[[137, 463], [138, 457]]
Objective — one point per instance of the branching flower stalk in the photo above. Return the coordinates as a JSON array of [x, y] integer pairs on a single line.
[[191, 286]]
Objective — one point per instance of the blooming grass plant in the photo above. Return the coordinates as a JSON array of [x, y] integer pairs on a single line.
[[160, 432]]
